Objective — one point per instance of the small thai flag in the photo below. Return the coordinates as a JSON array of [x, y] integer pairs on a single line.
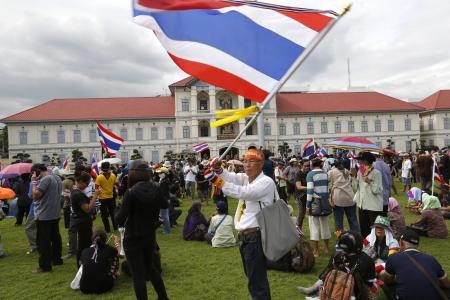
[[64, 164], [94, 165], [309, 148], [109, 141], [437, 176], [201, 147], [322, 153]]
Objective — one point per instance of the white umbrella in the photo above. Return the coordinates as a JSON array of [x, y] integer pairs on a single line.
[[112, 161]]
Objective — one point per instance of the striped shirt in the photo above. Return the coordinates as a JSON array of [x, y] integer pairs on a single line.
[[317, 186]]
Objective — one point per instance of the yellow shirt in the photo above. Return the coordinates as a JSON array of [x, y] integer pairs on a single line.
[[106, 185]]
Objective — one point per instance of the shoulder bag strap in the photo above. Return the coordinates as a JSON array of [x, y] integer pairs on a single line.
[[427, 275], [215, 229]]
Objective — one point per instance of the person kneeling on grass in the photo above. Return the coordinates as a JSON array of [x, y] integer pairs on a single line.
[[100, 264], [195, 225], [411, 274], [354, 264], [432, 222]]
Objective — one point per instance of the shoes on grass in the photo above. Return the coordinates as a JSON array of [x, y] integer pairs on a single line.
[[31, 251]]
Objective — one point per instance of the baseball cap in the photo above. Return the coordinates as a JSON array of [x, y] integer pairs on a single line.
[[410, 236]]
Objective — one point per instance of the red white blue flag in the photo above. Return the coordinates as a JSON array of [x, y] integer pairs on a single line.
[[309, 149], [94, 165], [321, 152], [201, 147], [109, 141], [437, 176], [245, 47], [65, 163]]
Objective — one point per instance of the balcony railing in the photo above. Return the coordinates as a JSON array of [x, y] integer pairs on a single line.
[[226, 136]]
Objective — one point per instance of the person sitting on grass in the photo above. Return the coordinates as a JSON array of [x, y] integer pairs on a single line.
[[395, 215], [380, 243], [411, 274], [431, 222], [414, 199], [222, 225], [349, 257], [100, 265], [195, 225]]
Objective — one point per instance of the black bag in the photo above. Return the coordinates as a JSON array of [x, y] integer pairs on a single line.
[[320, 207]]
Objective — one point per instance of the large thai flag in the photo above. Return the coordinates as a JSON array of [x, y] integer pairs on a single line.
[[242, 46], [109, 141], [309, 149]]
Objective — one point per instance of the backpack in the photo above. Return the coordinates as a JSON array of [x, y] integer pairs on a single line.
[[302, 257], [339, 283]]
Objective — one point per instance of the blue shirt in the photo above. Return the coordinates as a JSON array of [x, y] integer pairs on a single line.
[[386, 178], [410, 282]]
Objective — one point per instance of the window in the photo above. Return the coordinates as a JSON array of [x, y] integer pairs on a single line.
[[297, 149], [77, 136], [92, 135], [430, 142], [378, 143], [408, 147], [446, 123], [204, 128], [421, 125], [323, 127], [337, 127], [139, 134], [282, 129], [446, 142], [124, 133], [250, 130], [296, 128], [169, 133], [247, 103], [155, 156], [124, 156], [61, 136], [391, 126], [154, 133], [23, 138], [407, 124], [44, 137], [184, 104], [62, 157], [351, 126], [186, 132], [430, 125], [364, 127], [203, 99], [267, 129], [377, 125], [310, 128]]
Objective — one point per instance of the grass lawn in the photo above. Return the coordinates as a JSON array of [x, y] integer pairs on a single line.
[[191, 270]]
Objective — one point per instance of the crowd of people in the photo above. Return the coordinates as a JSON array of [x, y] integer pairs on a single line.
[[372, 248]]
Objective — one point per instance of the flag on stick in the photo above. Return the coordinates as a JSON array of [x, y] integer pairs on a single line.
[[109, 141], [309, 148], [245, 47], [65, 163], [201, 147], [94, 165]]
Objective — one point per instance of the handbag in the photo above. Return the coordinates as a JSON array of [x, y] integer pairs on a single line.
[[210, 234], [278, 233], [319, 209]]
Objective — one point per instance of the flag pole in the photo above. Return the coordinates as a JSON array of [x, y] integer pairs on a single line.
[[287, 75], [432, 178]]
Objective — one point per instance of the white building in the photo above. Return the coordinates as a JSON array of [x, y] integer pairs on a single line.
[[155, 125]]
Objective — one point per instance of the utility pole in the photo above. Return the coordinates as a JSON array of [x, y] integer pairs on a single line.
[[348, 74]]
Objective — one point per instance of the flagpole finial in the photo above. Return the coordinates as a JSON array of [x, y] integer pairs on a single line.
[[346, 8]]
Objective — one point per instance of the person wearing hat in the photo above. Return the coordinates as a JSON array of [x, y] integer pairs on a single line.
[[290, 173], [406, 172], [190, 171], [254, 190], [431, 222], [105, 183], [380, 243], [411, 274], [280, 180], [367, 183], [222, 226]]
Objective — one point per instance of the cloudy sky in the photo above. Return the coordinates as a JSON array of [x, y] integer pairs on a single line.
[[91, 48]]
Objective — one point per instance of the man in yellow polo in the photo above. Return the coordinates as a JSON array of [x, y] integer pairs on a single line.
[[105, 184]]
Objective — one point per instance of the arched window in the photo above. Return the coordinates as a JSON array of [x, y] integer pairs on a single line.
[[203, 128], [203, 101]]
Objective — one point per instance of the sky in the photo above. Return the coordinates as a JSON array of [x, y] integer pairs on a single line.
[[91, 48]]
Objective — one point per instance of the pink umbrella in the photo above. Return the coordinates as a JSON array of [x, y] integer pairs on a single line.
[[14, 170], [351, 143]]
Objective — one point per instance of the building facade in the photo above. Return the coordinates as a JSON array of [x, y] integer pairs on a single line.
[[155, 125]]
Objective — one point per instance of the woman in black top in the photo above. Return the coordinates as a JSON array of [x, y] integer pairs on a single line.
[[139, 215], [100, 265], [80, 216]]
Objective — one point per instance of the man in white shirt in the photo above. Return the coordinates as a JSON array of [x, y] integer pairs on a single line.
[[254, 191], [280, 180], [190, 171], [406, 172]]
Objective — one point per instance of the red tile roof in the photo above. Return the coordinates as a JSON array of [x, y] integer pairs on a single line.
[[438, 100], [333, 102], [97, 109], [182, 83]]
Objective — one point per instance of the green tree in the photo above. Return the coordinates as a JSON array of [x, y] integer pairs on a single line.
[[284, 149], [136, 155], [4, 142], [77, 157], [22, 157], [55, 160]]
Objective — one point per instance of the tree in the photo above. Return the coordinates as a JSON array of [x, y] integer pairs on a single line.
[[77, 157], [136, 155], [55, 160], [284, 149], [22, 157], [4, 142]]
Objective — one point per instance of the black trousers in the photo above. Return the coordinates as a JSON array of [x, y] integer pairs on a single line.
[[139, 253], [366, 220], [22, 211], [107, 208], [84, 231], [49, 243]]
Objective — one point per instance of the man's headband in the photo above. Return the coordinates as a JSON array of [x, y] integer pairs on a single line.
[[253, 154]]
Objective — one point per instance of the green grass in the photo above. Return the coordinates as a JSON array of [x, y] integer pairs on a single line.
[[191, 270]]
